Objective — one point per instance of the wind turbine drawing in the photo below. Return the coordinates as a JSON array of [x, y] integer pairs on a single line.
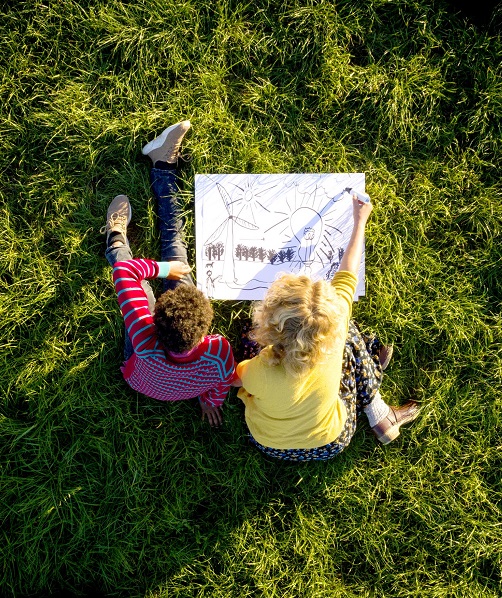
[[227, 226]]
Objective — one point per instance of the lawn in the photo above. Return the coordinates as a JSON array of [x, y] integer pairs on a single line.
[[106, 491]]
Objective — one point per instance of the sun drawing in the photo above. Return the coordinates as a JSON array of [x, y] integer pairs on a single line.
[[246, 199], [309, 225]]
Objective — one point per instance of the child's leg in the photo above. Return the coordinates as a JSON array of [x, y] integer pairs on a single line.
[[118, 250], [172, 248], [365, 365], [384, 420]]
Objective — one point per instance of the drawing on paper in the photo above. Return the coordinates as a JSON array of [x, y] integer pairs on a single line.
[[251, 227], [226, 230]]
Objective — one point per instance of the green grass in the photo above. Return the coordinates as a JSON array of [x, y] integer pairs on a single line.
[[103, 489]]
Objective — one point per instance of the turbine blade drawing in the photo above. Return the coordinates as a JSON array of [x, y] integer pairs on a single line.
[[244, 223], [217, 232], [225, 197]]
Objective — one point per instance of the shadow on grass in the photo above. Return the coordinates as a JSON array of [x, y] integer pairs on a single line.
[[122, 494]]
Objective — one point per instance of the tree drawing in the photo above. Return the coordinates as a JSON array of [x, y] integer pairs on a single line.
[[239, 251], [290, 254], [282, 256], [215, 251], [218, 250], [262, 254], [272, 256]]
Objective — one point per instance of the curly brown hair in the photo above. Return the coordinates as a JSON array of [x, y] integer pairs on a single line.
[[182, 317]]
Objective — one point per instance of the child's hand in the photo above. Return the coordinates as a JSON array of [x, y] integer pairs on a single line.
[[361, 211], [213, 414], [177, 270]]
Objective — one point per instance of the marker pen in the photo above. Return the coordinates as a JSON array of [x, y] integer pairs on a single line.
[[365, 198]]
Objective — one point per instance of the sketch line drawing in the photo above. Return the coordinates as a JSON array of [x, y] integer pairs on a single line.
[[251, 227], [228, 226]]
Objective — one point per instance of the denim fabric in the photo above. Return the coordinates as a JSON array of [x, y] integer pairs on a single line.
[[170, 223]]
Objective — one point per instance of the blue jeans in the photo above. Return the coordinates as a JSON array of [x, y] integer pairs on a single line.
[[172, 248]]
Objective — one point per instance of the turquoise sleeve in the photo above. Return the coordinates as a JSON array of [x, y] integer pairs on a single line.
[[164, 269]]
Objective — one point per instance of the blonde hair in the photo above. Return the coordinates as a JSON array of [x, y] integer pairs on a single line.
[[300, 319]]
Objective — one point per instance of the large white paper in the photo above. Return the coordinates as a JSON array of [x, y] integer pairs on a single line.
[[251, 227]]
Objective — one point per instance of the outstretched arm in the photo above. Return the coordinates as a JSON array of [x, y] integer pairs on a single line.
[[133, 302], [352, 257]]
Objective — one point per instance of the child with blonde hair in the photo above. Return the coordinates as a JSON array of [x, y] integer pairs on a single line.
[[316, 372]]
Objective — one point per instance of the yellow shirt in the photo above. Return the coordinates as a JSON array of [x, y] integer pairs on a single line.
[[283, 411]]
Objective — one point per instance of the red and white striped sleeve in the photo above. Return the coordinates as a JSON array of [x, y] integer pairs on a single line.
[[133, 302], [221, 355]]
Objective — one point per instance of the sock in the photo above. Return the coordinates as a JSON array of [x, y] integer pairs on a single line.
[[164, 165], [114, 237], [376, 410]]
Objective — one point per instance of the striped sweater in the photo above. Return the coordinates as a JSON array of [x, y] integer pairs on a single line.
[[206, 371]]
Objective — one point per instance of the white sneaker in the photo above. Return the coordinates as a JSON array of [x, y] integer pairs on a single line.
[[165, 147]]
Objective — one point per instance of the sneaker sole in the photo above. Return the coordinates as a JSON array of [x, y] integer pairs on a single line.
[[159, 141], [389, 437]]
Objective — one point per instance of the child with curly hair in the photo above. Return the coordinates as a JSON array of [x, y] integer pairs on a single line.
[[169, 354], [316, 372]]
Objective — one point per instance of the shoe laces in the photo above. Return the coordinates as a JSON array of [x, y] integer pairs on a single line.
[[115, 220], [185, 157]]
